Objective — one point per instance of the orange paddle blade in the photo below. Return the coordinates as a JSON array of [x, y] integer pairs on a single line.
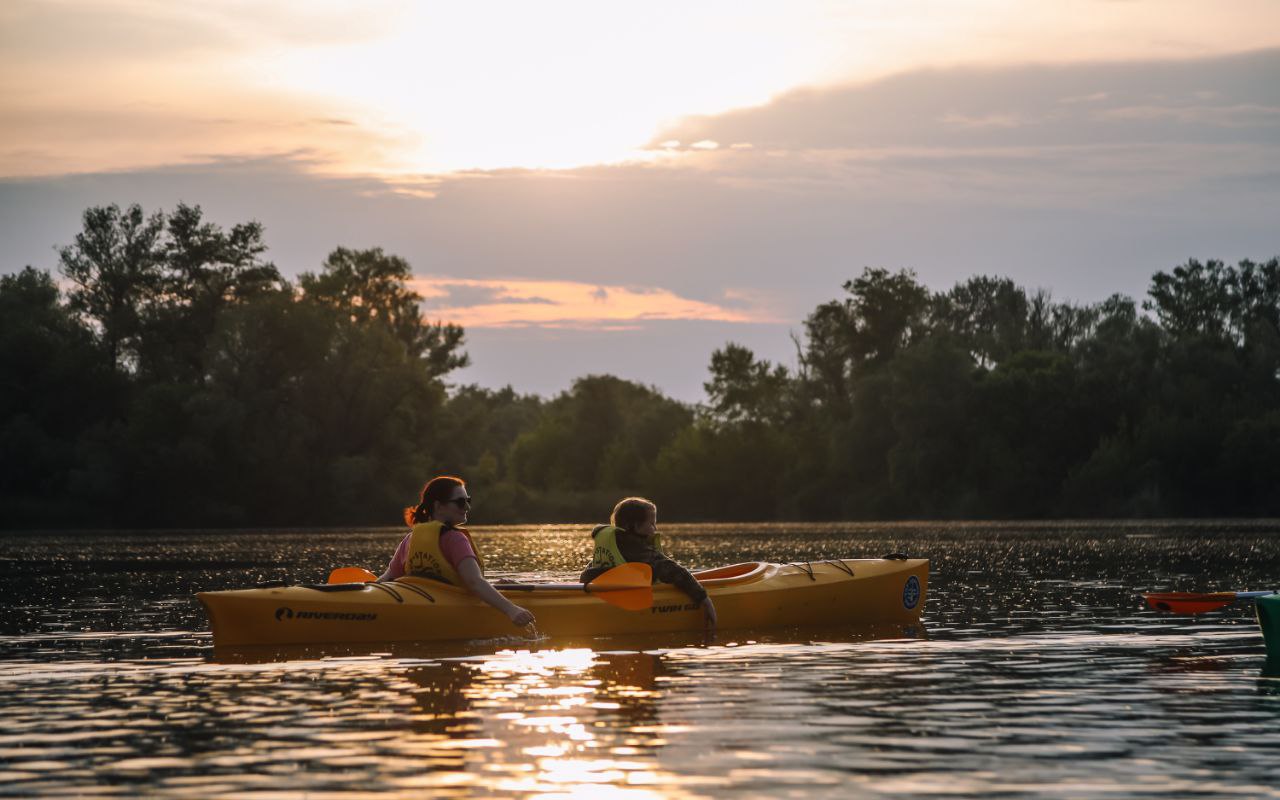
[[629, 586], [629, 599], [351, 575], [1189, 602], [631, 575]]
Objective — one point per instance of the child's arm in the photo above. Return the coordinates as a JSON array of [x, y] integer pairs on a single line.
[[668, 571], [709, 613]]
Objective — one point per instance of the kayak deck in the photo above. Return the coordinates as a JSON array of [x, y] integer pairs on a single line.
[[747, 595]]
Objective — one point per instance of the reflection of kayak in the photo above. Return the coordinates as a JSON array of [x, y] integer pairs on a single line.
[[1269, 620], [751, 595], [655, 641]]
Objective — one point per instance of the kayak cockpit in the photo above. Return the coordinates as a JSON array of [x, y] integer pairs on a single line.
[[734, 573]]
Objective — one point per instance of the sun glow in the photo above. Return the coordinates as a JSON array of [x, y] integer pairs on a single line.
[[535, 85]]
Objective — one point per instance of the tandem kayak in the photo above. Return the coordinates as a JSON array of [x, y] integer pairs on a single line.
[[749, 595], [1269, 620]]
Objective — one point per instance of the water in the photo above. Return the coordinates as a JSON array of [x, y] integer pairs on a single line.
[[1036, 672]]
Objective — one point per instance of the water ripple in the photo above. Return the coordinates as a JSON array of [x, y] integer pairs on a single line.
[[1037, 673]]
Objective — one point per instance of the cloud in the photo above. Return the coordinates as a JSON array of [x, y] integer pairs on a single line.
[[467, 295], [1085, 98], [89, 86], [1033, 136], [91, 30], [52, 141], [1007, 120], [1021, 105], [569, 304], [1244, 115]]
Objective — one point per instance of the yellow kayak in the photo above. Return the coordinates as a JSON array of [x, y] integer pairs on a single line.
[[749, 595]]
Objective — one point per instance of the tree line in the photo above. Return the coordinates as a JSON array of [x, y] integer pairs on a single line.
[[174, 377]]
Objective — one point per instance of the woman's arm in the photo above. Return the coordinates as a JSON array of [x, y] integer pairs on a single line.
[[395, 567], [475, 583]]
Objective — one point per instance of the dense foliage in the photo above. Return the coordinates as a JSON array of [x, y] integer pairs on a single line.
[[987, 401], [179, 379]]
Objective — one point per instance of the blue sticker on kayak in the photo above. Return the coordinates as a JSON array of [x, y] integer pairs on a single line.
[[911, 592]]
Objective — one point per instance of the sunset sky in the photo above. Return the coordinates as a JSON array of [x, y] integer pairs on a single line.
[[623, 187]]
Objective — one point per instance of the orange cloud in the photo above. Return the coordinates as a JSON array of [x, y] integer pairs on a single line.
[[569, 304]]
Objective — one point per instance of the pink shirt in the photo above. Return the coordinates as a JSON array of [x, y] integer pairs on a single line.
[[453, 544]]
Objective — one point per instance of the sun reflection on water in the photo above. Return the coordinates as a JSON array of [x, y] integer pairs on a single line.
[[560, 723]]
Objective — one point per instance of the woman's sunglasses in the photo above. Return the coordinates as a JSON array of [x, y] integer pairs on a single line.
[[460, 502]]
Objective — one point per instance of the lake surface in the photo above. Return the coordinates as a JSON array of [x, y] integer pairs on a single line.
[[1036, 672]]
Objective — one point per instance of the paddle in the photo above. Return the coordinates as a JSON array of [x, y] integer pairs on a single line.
[[1196, 602], [629, 586]]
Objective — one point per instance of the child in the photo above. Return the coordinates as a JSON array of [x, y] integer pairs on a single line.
[[632, 535]]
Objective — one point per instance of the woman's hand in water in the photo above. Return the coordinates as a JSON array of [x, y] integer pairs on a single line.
[[520, 617]]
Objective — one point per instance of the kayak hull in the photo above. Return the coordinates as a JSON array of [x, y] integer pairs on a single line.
[[1269, 620], [750, 595]]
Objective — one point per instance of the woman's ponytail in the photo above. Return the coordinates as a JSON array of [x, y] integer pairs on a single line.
[[414, 515]]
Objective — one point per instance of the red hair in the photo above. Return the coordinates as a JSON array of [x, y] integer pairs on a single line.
[[437, 490]]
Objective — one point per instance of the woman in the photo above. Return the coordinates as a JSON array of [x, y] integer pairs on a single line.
[[437, 548]]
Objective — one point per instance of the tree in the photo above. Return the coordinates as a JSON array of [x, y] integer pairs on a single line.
[[206, 270], [742, 388], [181, 380], [1192, 299], [847, 339], [721, 473], [1027, 430], [932, 412], [49, 365], [116, 265], [492, 420], [604, 433], [988, 316], [1256, 289], [312, 417], [371, 287], [886, 313]]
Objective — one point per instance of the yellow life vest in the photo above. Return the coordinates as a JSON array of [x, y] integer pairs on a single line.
[[606, 552], [426, 559]]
